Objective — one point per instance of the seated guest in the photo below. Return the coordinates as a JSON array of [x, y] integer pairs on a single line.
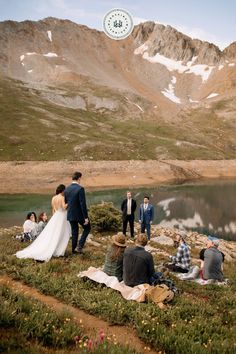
[[212, 260], [30, 226], [42, 222], [114, 257], [182, 261], [138, 265]]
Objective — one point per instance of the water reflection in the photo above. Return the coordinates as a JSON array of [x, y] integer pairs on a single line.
[[207, 208]]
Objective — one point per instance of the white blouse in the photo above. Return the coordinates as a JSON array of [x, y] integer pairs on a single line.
[[29, 226]]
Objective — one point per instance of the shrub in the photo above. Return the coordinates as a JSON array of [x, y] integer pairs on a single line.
[[105, 217]]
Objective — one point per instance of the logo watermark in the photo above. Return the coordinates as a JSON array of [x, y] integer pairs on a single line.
[[118, 24]]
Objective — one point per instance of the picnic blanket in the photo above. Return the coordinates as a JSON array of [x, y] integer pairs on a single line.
[[193, 275], [136, 293]]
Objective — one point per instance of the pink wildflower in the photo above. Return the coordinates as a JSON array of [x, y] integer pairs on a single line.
[[101, 335], [90, 344]]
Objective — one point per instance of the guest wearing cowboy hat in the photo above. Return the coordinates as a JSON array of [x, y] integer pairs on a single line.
[[114, 257]]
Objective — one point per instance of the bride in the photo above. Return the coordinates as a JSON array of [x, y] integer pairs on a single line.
[[53, 240]]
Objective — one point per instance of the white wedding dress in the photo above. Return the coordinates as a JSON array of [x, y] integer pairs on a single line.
[[52, 241]]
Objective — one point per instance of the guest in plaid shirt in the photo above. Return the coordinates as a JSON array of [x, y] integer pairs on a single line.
[[182, 261]]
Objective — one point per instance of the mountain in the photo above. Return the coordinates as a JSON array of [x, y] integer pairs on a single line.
[[157, 94]]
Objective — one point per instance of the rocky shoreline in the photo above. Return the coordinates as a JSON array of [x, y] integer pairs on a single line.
[[43, 176], [165, 236], [160, 237]]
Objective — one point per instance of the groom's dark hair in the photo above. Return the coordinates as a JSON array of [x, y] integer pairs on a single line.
[[76, 176]]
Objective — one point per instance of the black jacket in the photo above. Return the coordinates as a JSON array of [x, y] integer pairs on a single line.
[[75, 198], [138, 266], [124, 207]]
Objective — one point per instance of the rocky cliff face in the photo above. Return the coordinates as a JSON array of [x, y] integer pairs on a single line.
[[169, 42], [230, 51]]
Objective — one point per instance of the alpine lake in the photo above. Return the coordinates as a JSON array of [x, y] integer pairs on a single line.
[[206, 207]]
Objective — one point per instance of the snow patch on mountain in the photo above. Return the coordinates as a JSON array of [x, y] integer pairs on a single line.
[[173, 65], [50, 55], [193, 101], [49, 33], [213, 94], [170, 91]]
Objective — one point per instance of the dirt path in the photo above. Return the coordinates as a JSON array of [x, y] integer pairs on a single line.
[[44, 176], [91, 325]]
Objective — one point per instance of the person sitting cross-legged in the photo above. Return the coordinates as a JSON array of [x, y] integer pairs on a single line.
[[114, 257], [42, 222], [30, 227], [182, 261], [212, 260], [138, 265]]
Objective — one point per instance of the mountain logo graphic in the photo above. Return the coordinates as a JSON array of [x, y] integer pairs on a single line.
[[118, 24]]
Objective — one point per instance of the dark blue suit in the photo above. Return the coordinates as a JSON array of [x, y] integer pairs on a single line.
[[146, 217], [77, 213]]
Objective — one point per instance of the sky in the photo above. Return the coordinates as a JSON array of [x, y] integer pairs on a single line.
[[211, 20]]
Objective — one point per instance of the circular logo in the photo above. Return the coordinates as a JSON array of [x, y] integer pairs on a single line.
[[118, 24]]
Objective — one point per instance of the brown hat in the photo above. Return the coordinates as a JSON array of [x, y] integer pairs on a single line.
[[119, 240]]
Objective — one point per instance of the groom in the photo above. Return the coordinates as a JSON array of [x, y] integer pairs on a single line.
[[77, 212]]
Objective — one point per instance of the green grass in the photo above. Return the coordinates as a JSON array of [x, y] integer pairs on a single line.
[[200, 320], [33, 128], [35, 320], [27, 326]]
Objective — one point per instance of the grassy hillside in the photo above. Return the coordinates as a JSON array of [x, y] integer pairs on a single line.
[[200, 319], [33, 128]]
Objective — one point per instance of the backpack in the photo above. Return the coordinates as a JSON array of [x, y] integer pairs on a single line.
[[159, 294]]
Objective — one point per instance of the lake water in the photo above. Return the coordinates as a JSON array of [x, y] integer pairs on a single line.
[[204, 207]]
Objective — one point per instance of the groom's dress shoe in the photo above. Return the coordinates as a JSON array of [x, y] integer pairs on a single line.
[[78, 251]]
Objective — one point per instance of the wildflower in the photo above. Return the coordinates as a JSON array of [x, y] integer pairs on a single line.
[[90, 344], [101, 335]]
